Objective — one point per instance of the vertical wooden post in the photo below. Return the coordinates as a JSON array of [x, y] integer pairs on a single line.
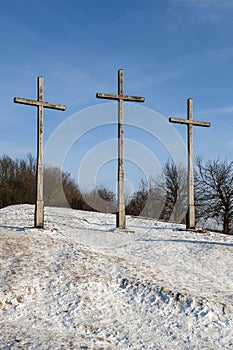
[[121, 194], [39, 211], [191, 208]]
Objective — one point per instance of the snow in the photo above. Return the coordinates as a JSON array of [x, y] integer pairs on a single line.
[[81, 284]]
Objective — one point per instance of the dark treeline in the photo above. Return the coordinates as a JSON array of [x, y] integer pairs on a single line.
[[17, 181], [163, 198], [18, 186]]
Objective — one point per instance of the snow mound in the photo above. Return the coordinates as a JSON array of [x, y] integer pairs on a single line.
[[78, 284]]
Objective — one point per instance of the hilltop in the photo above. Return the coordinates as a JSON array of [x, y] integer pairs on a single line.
[[80, 284]]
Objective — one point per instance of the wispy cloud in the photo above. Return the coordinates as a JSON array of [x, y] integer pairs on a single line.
[[206, 10], [217, 111], [204, 3]]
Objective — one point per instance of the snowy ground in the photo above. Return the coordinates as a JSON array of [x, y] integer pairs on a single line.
[[79, 284]]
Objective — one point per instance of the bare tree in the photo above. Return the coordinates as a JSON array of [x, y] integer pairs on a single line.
[[26, 179], [164, 197], [214, 191], [138, 201], [175, 187], [155, 199], [100, 199], [60, 189], [54, 194], [7, 177]]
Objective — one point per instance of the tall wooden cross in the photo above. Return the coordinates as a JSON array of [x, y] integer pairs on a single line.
[[190, 220], [40, 104], [120, 97]]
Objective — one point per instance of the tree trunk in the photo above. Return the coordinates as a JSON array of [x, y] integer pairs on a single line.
[[226, 223]]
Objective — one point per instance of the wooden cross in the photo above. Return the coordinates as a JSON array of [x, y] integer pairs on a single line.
[[190, 220], [40, 104], [120, 97]]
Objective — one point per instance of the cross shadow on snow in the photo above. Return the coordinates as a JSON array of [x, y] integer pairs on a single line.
[[78, 226], [15, 228], [185, 241]]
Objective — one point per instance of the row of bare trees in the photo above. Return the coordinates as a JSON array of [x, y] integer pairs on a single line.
[[164, 197], [17, 181], [18, 186]]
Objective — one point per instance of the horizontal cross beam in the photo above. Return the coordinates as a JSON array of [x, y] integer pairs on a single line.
[[189, 121], [39, 103], [120, 97]]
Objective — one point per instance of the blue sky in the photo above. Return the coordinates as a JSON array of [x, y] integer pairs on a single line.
[[170, 50]]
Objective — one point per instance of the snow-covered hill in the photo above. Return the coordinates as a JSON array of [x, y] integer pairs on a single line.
[[80, 284]]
